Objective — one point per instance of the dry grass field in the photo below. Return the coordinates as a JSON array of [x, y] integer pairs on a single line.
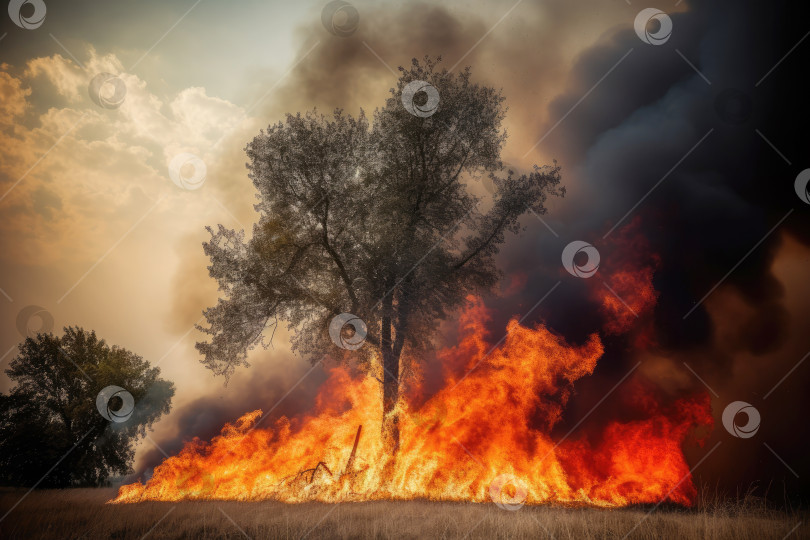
[[82, 513]]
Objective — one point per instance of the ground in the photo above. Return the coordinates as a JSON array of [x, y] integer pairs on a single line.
[[82, 513]]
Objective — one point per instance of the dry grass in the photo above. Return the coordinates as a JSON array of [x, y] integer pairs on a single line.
[[81, 513]]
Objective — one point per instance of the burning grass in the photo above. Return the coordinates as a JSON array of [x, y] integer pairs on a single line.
[[82, 513], [488, 430]]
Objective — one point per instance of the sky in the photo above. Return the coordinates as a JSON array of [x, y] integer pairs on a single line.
[[95, 231]]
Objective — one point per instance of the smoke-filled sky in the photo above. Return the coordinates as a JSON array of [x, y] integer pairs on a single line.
[[693, 143]]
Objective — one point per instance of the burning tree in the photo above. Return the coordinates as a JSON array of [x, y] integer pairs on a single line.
[[372, 219]]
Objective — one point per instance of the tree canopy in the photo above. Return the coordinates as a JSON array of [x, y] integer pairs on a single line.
[[53, 407], [371, 218]]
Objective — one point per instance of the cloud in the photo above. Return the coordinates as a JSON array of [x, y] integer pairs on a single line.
[[89, 205], [14, 98], [102, 165]]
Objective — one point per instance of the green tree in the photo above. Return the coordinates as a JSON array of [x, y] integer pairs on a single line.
[[52, 408], [375, 220]]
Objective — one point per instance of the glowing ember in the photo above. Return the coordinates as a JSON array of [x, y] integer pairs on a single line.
[[484, 435]]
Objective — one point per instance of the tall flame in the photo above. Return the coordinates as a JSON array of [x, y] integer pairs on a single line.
[[487, 434]]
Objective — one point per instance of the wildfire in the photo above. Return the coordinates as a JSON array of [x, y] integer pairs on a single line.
[[487, 434]]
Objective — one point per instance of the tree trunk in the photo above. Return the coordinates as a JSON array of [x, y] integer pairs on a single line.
[[390, 361], [390, 425]]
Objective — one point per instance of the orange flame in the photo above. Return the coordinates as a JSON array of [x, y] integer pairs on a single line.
[[485, 435], [628, 292]]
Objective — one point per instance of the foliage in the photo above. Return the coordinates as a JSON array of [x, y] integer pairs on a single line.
[[376, 220], [52, 407]]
